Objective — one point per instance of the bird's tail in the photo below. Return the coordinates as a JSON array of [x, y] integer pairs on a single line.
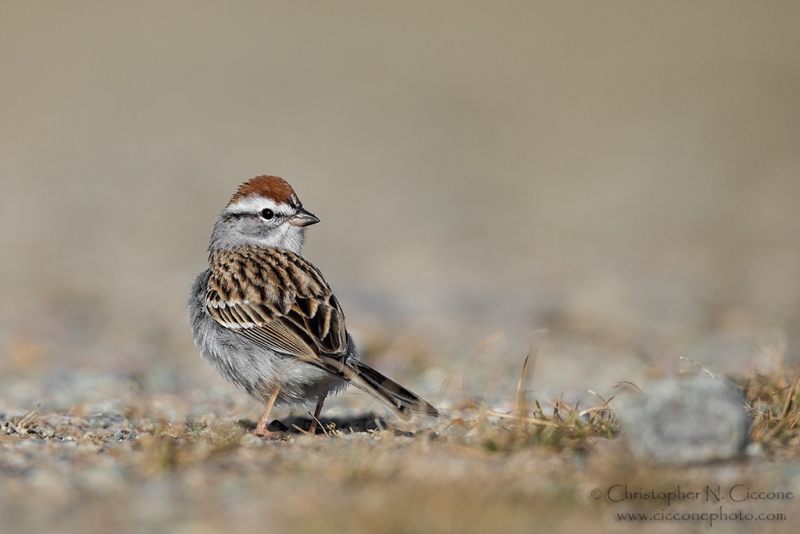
[[398, 398]]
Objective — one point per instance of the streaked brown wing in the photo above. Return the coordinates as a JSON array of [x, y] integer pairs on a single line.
[[277, 299]]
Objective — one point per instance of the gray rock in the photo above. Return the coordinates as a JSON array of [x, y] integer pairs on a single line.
[[689, 420]]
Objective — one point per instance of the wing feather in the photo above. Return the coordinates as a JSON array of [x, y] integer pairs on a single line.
[[277, 299]]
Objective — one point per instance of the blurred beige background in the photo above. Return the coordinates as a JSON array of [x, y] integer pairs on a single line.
[[624, 174]]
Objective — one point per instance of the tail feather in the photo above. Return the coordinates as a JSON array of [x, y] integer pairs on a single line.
[[400, 399]]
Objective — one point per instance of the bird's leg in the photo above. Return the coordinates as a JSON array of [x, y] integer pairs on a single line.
[[261, 427], [313, 428]]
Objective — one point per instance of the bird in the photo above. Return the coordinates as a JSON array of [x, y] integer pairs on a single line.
[[265, 318]]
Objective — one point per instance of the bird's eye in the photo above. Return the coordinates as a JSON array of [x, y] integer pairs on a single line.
[[267, 213]]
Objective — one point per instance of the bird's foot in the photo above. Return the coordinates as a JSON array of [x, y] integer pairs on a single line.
[[275, 430]]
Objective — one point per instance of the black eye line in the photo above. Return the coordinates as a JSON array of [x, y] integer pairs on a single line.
[[275, 215]]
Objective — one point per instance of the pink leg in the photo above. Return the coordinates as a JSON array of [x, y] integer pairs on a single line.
[[313, 428], [261, 427]]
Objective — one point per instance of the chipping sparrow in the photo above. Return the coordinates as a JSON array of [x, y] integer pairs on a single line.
[[265, 318]]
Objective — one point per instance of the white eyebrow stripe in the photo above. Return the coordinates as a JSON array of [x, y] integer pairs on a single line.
[[254, 204]]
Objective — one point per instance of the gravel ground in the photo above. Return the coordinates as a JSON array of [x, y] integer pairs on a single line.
[[106, 471]]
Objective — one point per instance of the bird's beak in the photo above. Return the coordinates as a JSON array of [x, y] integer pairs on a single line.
[[303, 218]]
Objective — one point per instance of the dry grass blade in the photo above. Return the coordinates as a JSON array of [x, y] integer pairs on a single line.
[[520, 418], [790, 400], [773, 402], [25, 422], [521, 401], [709, 373], [621, 382], [568, 427]]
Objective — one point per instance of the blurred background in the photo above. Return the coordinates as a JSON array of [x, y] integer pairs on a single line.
[[619, 181]]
